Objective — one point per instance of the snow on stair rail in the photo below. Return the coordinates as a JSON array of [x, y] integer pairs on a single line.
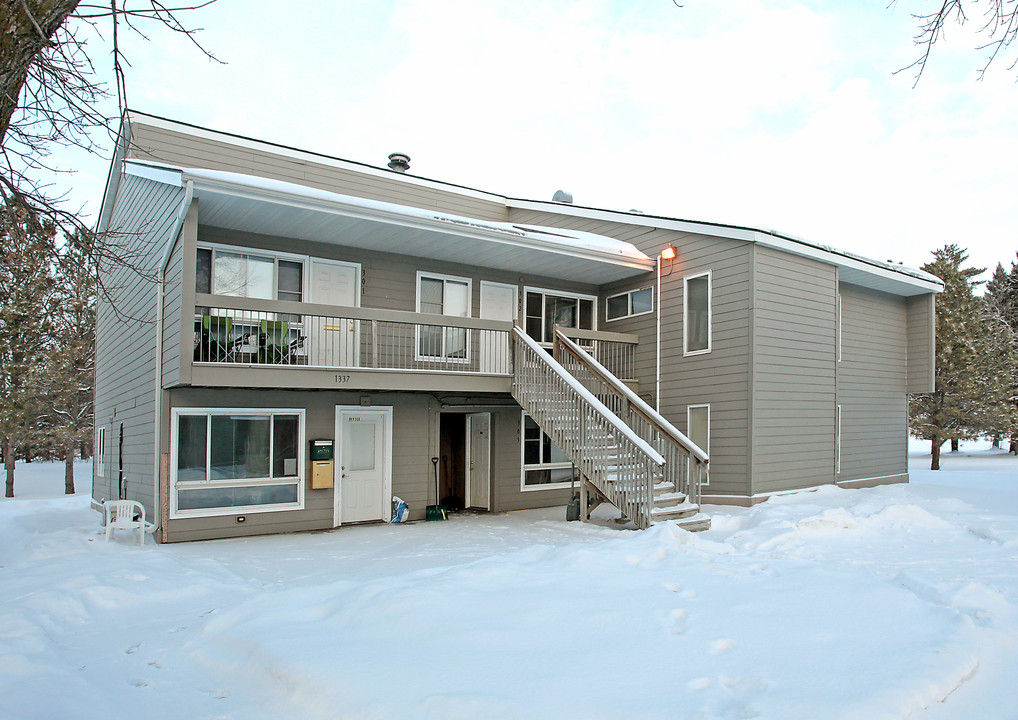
[[591, 399], [633, 399]]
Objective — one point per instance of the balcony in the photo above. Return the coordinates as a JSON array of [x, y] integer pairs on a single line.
[[243, 342]]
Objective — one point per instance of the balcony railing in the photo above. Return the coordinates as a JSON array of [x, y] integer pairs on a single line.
[[244, 331], [615, 351]]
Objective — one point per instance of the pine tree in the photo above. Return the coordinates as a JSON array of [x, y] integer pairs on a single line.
[[70, 366], [1002, 297], [26, 285], [951, 411]]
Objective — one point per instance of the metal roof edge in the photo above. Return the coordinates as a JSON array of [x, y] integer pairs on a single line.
[[770, 238]]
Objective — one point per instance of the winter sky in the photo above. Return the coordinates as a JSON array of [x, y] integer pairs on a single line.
[[778, 114]]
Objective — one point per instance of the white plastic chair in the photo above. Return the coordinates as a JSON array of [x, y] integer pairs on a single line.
[[120, 515]]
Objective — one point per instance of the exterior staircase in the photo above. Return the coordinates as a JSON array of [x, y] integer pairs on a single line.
[[627, 454]]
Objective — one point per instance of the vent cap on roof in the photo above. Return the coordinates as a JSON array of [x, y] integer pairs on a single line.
[[400, 162], [562, 196]]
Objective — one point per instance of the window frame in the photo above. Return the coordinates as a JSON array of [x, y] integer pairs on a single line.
[[443, 358], [100, 451], [525, 468], [630, 313], [209, 413], [544, 292], [689, 433], [686, 352], [274, 255]]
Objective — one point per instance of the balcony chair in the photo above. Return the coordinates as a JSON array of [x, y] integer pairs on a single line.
[[215, 340], [274, 344]]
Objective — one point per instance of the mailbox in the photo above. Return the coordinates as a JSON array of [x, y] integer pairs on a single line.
[[321, 464]]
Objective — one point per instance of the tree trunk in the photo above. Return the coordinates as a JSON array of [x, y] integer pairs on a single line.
[[69, 468], [24, 37], [9, 462], [954, 444], [996, 442], [1014, 445], [935, 453]]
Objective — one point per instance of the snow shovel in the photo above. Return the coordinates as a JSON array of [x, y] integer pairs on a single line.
[[437, 511]]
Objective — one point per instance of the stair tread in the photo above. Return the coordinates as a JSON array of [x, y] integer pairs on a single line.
[[664, 497]]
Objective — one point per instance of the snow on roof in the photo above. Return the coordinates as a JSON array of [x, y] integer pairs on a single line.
[[571, 239]]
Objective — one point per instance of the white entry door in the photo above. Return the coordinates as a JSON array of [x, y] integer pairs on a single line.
[[498, 302], [363, 464], [479, 460], [334, 341]]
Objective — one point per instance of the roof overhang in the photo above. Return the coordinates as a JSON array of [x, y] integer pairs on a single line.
[[853, 269], [270, 207]]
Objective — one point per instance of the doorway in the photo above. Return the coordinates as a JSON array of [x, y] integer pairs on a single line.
[[363, 465], [464, 468]]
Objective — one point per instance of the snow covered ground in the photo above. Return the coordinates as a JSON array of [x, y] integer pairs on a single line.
[[894, 602]]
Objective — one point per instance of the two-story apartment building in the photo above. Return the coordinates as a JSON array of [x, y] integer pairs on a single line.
[[281, 306]]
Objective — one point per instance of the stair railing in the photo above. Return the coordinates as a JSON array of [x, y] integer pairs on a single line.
[[621, 465], [687, 466]]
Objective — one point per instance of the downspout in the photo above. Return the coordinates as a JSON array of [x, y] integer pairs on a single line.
[[657, 344], [185, 205]]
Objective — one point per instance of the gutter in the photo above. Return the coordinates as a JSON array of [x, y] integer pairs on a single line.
[[178, 223]]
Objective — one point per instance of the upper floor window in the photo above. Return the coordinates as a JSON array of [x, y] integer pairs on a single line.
[[442, 295], [628, 304], [545, 309], [238, 273], [697, 314]]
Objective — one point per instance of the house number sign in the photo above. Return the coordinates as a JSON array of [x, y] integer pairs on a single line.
[[343, 378]]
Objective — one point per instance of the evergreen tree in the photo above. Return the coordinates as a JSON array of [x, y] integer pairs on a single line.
[[1002, 297], [951, 411], [70, 366], [26, 285]]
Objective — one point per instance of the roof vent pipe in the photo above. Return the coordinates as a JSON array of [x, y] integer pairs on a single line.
[[400, 162], [562, 196]]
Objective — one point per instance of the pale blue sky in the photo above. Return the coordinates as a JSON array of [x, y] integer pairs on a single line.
[[782, 114]]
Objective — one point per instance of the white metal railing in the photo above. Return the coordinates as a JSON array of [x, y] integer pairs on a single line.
[[615, 351], [283, 333], [686, 464], [619, 463]]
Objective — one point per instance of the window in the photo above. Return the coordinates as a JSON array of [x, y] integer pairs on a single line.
[[627, 304], [100, 452], [225, 461], [545, 309], [697, 320], [222, 271], [442, 295], [545, 466], [698, 426]]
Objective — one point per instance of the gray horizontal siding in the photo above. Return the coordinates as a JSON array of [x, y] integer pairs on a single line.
[[182, 149], [794, 371], [125, 338], [416, 438], [720, 378], [871, 384]]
